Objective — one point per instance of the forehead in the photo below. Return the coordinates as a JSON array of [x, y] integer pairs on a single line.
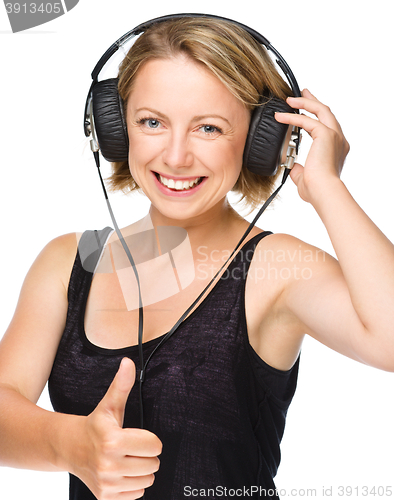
[[183, 82]]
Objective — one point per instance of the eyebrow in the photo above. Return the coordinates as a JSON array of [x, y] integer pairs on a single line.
[[195, 118]]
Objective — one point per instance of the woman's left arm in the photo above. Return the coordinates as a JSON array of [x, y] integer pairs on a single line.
[[348, 305]]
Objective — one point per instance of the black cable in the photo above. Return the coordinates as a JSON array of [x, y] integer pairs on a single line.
[[185, 314], [143, 365], [141, 307]]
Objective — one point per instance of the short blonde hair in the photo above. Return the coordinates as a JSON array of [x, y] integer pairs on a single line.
[[232, 55]]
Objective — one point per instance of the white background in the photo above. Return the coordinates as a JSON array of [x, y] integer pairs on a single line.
[[339, 429]]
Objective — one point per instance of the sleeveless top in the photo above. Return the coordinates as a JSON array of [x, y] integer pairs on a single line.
[[216, 406]]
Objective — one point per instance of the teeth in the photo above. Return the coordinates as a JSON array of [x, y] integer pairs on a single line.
[[178, 185]]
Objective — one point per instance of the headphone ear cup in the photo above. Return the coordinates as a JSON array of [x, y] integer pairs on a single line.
[[266, 137], [110, 121]]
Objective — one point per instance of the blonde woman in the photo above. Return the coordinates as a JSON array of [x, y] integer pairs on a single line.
[[214, 396]]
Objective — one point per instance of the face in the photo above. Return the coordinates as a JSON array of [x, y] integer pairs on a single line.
[[187, 134]]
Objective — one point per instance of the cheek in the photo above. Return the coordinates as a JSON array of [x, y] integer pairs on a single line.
[[231, 153], [224, 162], [142, 151]]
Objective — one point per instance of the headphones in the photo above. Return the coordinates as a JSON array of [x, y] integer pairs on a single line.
[[269, 144]]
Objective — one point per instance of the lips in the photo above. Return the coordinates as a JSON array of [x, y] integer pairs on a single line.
[[179, 184]]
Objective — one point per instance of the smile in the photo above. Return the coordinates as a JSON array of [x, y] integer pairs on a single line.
[[179, 185]]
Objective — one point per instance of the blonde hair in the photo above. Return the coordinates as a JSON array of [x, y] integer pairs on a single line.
[[232, 55]]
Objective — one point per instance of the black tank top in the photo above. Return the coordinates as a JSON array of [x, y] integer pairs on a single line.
[[217, 407]]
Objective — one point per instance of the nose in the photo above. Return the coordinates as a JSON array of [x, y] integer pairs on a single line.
[[177, 152]]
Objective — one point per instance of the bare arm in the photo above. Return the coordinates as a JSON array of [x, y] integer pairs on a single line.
[[27, 351], [347, 304], [32, 437]]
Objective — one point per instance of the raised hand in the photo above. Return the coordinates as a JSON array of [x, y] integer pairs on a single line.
[[329, 148], [115, 462]]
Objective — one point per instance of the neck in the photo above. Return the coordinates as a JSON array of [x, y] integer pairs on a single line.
[[209, 226]]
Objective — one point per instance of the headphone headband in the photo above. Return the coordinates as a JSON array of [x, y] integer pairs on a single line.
[[268, 145]]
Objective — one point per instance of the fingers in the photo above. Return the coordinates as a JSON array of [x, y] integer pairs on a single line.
[[141, 442], [125, 476], [131, 466], [308, 93], [135, 466], [130, 484], [307, 123], [124, 465], [123, 487], [324, 122], [311, 104], [130, 496]]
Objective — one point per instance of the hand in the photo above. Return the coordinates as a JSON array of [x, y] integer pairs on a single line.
[[116, 462], [329, 148]]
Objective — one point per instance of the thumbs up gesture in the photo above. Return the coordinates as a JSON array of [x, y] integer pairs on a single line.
[[115, 462]]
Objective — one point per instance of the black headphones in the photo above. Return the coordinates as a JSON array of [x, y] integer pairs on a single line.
[[268, 145]]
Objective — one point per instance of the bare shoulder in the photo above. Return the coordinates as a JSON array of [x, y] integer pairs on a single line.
[[33, 335], [57, 257], [62, 247], [282, 266], [302, 290], [281, 247], [289, 260]]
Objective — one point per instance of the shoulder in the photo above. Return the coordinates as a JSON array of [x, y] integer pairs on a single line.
[[56, 259], [278, 241], [283, 250], [38, 322], [62, 245], [58, 255], [282, 263]]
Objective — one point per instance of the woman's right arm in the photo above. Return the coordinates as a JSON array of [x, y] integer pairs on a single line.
[[28, 433], [94, 448]]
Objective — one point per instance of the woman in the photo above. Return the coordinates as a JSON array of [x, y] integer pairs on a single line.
[[187, 122]]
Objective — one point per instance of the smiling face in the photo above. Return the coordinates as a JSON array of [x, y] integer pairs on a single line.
[[187, 134]]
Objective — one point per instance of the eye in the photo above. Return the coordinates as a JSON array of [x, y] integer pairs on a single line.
[[210, 129], [151, 123]]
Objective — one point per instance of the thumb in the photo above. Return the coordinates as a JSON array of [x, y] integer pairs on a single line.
[[296, 173], [115, 399]]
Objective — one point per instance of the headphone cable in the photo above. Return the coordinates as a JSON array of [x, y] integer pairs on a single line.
[[197, 300], [141, 307], [143, 365]]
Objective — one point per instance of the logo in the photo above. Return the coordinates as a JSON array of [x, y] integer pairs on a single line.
[[163, 260], [24, 15]]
